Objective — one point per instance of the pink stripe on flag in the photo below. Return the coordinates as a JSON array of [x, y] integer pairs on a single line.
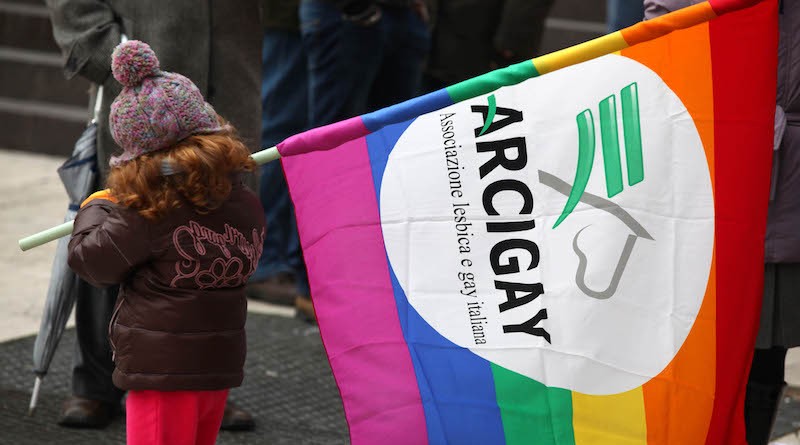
[[323, 138], [339, 226]]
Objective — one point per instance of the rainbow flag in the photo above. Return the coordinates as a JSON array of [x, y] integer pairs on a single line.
[[566, 251]]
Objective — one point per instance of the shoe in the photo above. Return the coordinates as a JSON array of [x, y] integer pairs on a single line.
[[278, 289], [305, 309], [236, 419], [85, 413]]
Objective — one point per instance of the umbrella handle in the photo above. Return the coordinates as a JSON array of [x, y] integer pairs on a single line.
[[54, 233]]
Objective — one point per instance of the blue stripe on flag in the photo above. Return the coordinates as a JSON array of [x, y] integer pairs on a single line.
[[456, 386], [407, 110], [380, 144]]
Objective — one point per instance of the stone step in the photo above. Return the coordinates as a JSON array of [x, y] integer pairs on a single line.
[[26, 25], [38, 133], [28, 75], [40, 111]]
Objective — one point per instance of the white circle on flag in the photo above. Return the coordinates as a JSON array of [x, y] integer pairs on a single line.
[[611, 325]]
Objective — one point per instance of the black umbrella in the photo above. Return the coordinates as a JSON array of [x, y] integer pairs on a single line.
[[79, 176]]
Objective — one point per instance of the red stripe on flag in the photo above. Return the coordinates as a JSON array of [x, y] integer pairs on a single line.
[[725, 6], [744, 56]]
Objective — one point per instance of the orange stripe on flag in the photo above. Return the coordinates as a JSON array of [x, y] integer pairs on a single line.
[[679, 401], [659, 26], [683, 61]]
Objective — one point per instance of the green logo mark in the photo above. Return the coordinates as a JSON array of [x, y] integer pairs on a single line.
[[609, 137]]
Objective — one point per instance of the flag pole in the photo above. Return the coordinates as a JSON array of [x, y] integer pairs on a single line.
[[62, 230]]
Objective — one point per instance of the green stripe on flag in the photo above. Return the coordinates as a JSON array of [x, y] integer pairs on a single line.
[[633, 133], [610, 137], [532, 413], [491, 81]]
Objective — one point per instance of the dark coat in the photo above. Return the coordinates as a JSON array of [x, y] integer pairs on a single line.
[[781, 307], [467, 35], [783, 224], [655, 8], [180, 316], [281, 14], [215, 43], [356, 6]]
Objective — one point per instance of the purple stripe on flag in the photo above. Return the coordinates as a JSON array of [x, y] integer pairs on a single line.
[[340, 230], [323, 138]]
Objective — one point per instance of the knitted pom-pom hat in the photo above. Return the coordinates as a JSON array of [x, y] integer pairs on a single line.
[[156, 108]]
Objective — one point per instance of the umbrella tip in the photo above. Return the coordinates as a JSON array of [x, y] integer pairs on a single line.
[[34, 395]]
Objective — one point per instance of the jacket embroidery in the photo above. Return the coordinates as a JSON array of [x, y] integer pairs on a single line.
[[227, 269]]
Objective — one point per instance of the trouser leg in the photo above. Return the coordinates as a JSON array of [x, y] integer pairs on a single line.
[[92, 363], [174, 417], [765, 387]]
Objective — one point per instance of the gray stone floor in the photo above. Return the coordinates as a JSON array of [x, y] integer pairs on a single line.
[[789, 414], [288, 388]]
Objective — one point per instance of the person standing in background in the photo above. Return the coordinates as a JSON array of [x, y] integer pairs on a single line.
[[623, 13], [780, 309], [363, 55], [281, 274], [472, 37], [216, 44]]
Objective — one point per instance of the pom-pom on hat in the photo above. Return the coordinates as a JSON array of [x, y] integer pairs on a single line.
[[155, 109]]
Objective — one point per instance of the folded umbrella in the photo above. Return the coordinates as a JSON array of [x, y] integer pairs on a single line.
[[79, 175]]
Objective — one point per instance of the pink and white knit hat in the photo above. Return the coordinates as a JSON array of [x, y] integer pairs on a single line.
[[155, 109]]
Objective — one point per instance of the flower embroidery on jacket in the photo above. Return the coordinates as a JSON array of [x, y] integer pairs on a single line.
[[234, 256]]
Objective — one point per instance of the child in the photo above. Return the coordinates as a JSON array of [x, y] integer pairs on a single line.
[[181, 234]]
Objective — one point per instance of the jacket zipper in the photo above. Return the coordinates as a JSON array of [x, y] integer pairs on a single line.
[[111, 328]]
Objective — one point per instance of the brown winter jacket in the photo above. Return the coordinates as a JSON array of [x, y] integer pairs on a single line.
[[180, 314]]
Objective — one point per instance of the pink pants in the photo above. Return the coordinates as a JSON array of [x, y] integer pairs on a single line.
[[174, 417]]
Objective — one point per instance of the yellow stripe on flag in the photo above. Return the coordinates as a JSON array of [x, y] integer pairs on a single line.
[[617, 419], [580, 53], [616, 41]]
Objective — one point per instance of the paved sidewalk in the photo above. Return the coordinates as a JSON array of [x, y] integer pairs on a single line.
[[31, 199], [288, 384]]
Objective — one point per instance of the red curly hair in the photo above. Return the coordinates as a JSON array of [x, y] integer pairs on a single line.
[[205, 166]]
